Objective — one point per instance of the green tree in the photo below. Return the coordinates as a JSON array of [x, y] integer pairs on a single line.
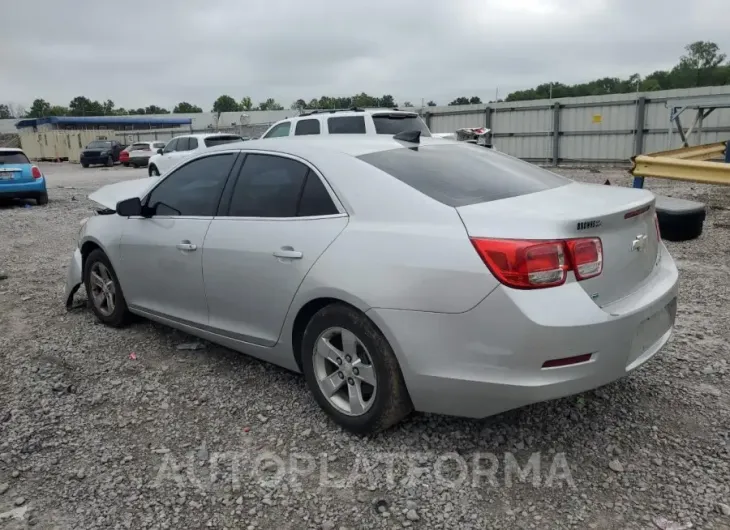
[[270, 104], [408, 104], [246, 103], [186, 108], [136, 112], [83, 106], [58, 110], [460, 101], [5, 112], [109, 108], [387, 101], [431, 103], [226, 103], [39, 108], [154, 109], [299, 104]]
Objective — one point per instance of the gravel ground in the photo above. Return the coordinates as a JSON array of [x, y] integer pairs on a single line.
[[92, 436]]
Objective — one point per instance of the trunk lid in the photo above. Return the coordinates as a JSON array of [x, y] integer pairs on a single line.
[[623, 218], [15, 173]]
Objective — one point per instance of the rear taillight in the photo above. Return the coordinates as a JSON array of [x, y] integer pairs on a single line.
[[586, 256], [535, 264], [35, 172], [658, 231]]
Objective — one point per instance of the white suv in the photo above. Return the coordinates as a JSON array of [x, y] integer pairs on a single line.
[[352, 121], [182, 147]]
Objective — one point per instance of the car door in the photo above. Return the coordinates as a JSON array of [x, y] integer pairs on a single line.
[[279, 218], [182, 150], [161, 255], [165, 161]]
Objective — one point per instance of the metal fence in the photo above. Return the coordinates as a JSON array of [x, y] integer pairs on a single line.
[[247, 131], [595, 129]]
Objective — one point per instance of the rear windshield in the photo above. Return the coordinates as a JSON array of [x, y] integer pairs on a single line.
[[220, 140], [13, 157], [395, 123], [99, 145], [140, 147], [463, 174]]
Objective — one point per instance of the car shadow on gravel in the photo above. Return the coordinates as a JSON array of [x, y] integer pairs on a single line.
[[7, 204]]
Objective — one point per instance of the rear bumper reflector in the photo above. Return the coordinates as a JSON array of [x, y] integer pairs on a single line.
[[567, 361]]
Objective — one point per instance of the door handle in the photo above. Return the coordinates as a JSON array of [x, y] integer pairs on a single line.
[[288, 253], [186, 246]]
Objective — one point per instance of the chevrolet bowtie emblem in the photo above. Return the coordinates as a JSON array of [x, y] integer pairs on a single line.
[[638, 244]]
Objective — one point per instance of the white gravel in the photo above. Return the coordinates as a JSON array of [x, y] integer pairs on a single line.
[[93, 437]]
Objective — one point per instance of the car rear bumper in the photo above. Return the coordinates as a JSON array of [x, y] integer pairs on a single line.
[[73, 277], [490, 359], [22, 190], [139, 160]]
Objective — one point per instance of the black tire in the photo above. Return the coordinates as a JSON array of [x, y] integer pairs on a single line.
[[153, 171], [84, 164], [109, 161], [392, 402], [120, 316], [681, 227], [42, 199]]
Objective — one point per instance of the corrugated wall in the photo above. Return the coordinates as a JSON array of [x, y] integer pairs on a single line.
[[594, 129]]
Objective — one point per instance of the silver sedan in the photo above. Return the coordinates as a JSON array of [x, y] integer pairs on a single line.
[[395, 273]]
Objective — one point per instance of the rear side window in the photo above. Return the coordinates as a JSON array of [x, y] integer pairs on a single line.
[[315, 199], [305, 127], [183, 144], [346, 125], [463, 174], [193, 143], [13, 157], [395, 123], [220, 140]]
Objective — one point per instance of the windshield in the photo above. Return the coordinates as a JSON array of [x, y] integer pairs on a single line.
[[394, 123], [99, 145], [13, 157], [140, 147]]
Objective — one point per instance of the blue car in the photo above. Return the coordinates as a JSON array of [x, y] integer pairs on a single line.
[[19, 179]]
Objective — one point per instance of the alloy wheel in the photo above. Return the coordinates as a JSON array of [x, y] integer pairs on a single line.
[[103, 291], [344, 371]]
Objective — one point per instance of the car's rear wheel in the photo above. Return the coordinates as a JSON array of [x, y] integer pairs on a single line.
[[42, 198], [103, 290], [352, 371], [153, 171], [84, 164], [109, 161]]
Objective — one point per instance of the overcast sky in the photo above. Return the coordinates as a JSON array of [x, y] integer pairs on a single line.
[[161, 52]]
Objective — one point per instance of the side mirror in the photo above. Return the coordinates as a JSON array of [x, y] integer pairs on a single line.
[[159, 151], [129, 207]]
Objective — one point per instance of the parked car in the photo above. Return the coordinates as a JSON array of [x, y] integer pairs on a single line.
[[141, 152], [182, 147], [395, 274], [350, 121], [19, 178], [124, 156], [105, 152]]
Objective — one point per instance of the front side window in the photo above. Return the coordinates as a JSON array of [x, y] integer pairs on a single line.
[[171, 146], [193, 189], [279, 130], [346, 125], [305, 127]]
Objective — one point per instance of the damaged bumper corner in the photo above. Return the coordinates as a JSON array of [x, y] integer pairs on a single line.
[[73, 279]]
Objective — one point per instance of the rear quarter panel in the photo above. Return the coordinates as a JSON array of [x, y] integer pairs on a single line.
[[400, 250]]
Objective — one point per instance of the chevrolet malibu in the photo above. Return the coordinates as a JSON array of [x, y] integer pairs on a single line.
[[397, 273]]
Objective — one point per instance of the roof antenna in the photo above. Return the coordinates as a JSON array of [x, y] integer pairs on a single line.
[[409, 136]]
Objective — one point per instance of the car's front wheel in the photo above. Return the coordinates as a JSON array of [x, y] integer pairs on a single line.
[[352, 371], [109, 161], [153, 171], [103, 290]]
